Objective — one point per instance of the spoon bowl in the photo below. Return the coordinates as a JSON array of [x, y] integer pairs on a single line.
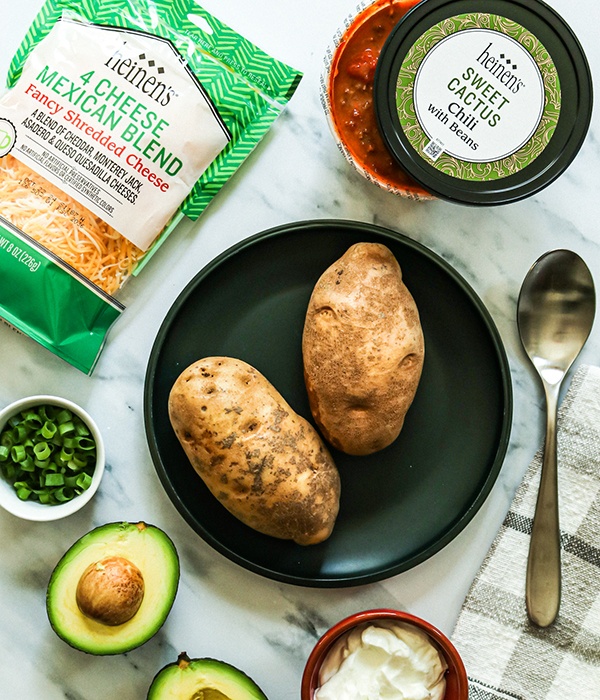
[[555, 313]]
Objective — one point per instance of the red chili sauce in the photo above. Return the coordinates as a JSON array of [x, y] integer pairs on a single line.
[[351, 91]]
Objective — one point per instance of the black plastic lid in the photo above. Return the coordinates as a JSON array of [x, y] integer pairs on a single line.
[[498, 93]]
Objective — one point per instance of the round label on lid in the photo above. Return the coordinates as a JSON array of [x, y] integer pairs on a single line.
[[478, 96]]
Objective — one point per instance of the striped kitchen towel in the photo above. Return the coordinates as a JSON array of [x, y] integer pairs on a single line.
[[506, 657]]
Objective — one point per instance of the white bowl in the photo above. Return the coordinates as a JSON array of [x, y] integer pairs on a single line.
[[32, 510]]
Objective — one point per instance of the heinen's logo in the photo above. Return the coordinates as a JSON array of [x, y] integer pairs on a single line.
[[502, 68], [141, 72]]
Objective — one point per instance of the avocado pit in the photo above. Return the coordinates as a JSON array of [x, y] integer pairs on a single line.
[[110, 591]]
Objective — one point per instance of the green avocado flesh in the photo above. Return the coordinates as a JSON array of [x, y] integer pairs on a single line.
[[203, 679], [146, 547]]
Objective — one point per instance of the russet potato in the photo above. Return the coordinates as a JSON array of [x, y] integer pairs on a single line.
[[362, 349], [266, 464]]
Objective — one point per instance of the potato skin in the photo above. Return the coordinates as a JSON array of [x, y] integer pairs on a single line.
[[363, 350], [266, 464]]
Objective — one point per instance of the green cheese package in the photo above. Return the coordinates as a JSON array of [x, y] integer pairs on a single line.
[[121, 117]]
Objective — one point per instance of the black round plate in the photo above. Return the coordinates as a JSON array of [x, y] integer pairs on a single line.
[[398, 506]]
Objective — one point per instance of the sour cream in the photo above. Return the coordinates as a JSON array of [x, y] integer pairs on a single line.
[[384, 659]]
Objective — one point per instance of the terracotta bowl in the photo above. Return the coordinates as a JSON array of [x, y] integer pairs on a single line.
[[457, 687]]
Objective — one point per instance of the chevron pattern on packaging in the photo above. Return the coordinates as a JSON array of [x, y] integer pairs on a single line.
[[248, 87]]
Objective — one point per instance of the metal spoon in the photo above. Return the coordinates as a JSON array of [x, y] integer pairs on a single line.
[[555, 312]]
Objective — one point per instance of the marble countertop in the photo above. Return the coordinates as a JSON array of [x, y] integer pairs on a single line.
[[264, 627]]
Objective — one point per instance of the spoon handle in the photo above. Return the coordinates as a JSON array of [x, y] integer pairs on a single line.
[[543, 584]]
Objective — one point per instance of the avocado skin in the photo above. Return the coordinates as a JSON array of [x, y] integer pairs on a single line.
[[125, 640], [186, 676]]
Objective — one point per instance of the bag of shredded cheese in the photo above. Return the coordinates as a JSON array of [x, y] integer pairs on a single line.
[[121, 117]]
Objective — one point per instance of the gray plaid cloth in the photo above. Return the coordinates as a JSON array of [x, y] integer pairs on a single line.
[[506, 657]]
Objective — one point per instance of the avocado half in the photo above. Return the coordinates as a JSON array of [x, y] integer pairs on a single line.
[[208, 679], [138, 547]]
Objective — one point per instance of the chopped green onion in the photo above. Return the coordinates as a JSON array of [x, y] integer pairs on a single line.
[[18, 453], [66, 428], [48, 454], [23, 493], [42, 450], [48, 430], [65, 455], [85, 443], [28, 464], [63, 416], [63, 494], [84, 481], [77, 462], [54, 479], [32, 421], [19, 432], [10, 471], [81, 429]]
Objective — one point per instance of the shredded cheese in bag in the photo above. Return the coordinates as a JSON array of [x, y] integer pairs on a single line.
[[121, 117], [64, 227]]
